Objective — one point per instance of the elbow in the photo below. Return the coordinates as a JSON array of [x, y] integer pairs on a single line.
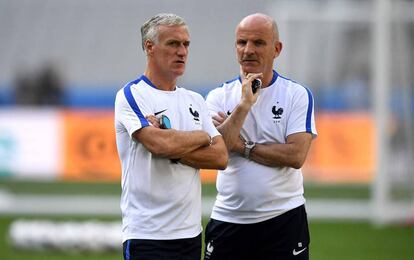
[[222, 164], [157, 151], [296, 166], [297, 163], [218, 160], [223, 160]]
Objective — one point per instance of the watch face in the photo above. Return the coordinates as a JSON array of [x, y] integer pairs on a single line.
[[249, 144]]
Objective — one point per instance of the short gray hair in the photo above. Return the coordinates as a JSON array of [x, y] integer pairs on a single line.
[[149, 30]]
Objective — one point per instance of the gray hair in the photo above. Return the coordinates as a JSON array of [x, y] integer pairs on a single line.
[[275, 30], [149, 30]]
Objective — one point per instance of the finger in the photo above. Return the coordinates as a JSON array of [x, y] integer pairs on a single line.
[[153, 120], [150, 118], [219, 119], [223, 115], [247, 85], [253, 76]]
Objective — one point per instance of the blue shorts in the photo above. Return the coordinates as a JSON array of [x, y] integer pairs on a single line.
[[148, 249], [283, 237]]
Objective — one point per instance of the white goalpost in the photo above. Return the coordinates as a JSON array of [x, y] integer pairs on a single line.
[[392, 190], [381, 83]]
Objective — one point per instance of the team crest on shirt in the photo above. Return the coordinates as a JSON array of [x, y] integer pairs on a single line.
[[195, 114], [277, 112]]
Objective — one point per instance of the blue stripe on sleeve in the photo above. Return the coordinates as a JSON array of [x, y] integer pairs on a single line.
[[309, 112], [133, 104], [310, 108]]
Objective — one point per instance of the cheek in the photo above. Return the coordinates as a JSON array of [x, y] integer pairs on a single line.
[[239, 54]]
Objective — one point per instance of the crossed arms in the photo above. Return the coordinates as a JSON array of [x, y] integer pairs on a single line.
[[290, 154], [193, 148]]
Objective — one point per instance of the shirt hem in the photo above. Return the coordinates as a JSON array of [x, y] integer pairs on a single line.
[[126, 237], [253, 220]]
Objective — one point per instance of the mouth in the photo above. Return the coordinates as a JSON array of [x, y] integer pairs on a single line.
[[249, 61], [179, 61]]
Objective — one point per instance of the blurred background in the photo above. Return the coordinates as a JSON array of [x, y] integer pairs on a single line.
[[62, 62]]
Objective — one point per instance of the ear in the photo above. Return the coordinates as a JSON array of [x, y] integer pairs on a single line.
[[149, 47], [278, 48]]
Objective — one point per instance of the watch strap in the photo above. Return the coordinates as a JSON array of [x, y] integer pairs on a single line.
[[248, 146]]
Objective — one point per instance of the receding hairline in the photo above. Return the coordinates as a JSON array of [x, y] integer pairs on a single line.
[[259, 17]]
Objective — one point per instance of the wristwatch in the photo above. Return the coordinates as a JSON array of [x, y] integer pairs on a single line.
[[248, 147]]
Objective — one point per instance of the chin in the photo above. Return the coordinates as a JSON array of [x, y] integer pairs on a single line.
[[179, 69], [178, 73], [248, 69]]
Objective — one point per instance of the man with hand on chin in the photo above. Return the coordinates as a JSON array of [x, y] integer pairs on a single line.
[[161, 189], [259, 211]]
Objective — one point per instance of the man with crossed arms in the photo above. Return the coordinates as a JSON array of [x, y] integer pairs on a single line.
[[259, 211]]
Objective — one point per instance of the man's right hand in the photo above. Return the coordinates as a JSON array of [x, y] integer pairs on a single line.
[[247, 93]]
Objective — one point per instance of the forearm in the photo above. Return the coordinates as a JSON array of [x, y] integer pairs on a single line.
[[231, 127], [277, 155], [180, 143], [214, 156], [171, 143], [293, 153]]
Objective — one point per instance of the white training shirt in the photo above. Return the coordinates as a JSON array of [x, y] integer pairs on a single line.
[[249, 192], [160, 199]]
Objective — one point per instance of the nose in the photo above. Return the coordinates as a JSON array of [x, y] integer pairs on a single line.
[[249, 48], [182, 50]]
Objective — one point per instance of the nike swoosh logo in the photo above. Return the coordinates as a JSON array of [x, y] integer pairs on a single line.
[[298, 252], [159, 112]]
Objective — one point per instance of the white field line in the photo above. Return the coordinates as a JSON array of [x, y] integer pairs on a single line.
[[17, 204]]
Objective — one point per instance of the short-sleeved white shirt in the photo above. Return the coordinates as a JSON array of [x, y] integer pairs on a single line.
[[160, 199], [249, 192]]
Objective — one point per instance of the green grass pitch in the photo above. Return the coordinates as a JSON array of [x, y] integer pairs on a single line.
[[329, 240]]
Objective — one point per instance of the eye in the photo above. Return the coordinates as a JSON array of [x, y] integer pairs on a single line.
[[241, 42], [173, 43], [259, 43]]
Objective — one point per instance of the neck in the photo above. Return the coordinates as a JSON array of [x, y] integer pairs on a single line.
[[162, 82], [267, 78]]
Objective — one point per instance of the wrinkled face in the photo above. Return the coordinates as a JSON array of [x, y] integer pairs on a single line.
[[169, 54], [256, 47]]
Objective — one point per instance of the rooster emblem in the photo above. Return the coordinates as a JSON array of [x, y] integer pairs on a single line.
[[195, 114], [277, 113]]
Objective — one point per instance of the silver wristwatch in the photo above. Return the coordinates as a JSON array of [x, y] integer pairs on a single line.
[[248, 146]]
